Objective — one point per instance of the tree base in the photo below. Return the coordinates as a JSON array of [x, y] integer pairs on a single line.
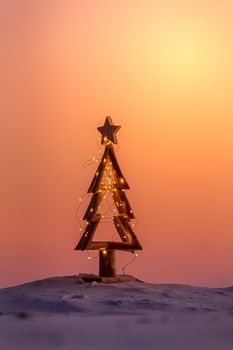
[[89, 278]]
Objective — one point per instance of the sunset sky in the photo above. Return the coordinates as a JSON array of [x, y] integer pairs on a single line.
[[163, 70]]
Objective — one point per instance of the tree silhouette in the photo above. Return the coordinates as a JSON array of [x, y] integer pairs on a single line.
[[109, 179]]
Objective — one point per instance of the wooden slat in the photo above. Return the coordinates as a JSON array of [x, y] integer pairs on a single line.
[[123, 207], [125, 237], [88, 234], [130, 232], [112, 245], [93, 207], [95, 184], [121, 181]]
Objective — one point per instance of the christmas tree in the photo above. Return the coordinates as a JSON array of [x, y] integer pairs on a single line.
[[109, 179]]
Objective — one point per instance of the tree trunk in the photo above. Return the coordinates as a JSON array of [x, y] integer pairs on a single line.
[[107, 263]]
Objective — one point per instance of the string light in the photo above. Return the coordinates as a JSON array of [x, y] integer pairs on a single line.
[[108, 186]]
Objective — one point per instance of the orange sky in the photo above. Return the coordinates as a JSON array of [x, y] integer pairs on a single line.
[[164, 71]]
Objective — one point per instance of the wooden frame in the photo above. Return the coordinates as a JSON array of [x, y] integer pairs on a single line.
[[129, 241]]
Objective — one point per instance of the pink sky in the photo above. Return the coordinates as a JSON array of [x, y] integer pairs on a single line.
[[164, 71]]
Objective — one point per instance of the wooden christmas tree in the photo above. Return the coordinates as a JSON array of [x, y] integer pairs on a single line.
[[109, 178]]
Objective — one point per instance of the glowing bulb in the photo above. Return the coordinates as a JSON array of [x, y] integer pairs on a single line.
[[122, 180], [104, 252]]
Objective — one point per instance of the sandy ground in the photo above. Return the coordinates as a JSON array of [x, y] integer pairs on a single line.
[[64, 313]]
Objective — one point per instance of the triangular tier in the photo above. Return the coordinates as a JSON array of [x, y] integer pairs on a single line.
[[128, 237], [109, 154], [121, 221]]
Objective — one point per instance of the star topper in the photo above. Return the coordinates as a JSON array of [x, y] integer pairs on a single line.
[[108, 131]]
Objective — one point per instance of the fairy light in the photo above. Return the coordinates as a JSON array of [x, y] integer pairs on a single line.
[[109, 187]]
